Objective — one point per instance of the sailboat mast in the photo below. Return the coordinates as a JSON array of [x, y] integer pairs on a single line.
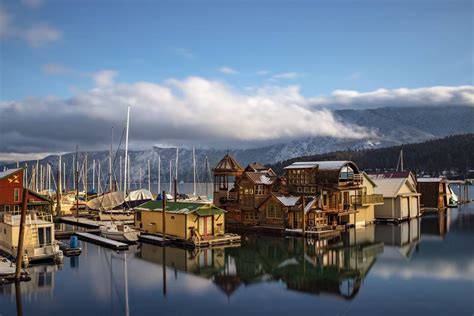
[[194, 172], [207, 167], [171, 172], [93, 174], [176, 177], [126, 154], [149, 176], [110, 162], [120, 172], [159, 174], [401, 159]]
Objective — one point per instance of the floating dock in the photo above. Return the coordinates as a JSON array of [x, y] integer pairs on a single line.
[[84, 222], [68, 233], [109, 243], [152, 239], [201, 243]]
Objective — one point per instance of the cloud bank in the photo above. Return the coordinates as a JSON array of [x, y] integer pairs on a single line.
[[194, 112]]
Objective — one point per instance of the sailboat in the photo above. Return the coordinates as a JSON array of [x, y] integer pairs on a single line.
[[120, 231]]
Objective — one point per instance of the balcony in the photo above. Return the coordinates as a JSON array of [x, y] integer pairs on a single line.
[[351, 180], [363, 200]]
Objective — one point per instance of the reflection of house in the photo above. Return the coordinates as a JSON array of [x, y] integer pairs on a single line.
[[42, 280], [434, 193], [401, 199], [403, 237], [184, 221]]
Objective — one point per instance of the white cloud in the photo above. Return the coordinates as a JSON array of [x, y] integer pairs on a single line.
[[54, 69], [431, 96], [227, 70], [189, 111], [104, 78], [36, 35], [41, 34], [286, 75], [184, 52], [32, 4]]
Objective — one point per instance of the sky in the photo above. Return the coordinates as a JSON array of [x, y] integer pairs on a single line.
[[221, 72]]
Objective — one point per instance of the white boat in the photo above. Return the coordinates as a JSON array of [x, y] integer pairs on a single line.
[[452, 198], [6, 267], [119, 232], [39, 240]]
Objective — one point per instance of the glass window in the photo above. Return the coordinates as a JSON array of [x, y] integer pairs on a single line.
[[16, 195], [299, 189]]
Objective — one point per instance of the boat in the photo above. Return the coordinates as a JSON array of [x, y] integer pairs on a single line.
[[6, 267], [39, 240], [119, 232], [452, 197]]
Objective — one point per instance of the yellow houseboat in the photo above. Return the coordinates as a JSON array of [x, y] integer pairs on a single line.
[[39, 242], [199, 224]]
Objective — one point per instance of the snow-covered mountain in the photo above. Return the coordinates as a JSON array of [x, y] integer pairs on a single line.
[[390, 126]]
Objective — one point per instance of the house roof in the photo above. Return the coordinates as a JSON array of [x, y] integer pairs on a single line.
[[228, 164], [287, 200], [201, 209], [322, 165], [255, 166], [431, 179], [40, 196], [9, 172], [259, 177], [389, 175], [391, 187]]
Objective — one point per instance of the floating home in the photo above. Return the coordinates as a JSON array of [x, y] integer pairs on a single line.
[[39, 241], [311, 196], [401, 198], [434, 193], [195, 224]]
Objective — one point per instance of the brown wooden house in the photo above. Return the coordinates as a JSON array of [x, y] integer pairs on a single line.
[[434, 193], [253, 188], [11, 194], [276, 210]]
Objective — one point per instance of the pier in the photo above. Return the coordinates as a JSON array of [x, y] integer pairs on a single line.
[[116, 245]]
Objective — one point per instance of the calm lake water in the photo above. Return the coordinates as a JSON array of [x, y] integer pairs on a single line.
[[423, 267]]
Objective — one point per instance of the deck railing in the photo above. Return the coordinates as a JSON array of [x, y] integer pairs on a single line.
[[367, 199]]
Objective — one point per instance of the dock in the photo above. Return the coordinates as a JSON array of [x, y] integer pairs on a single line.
[[83, 222], [152, 239], [197, 243], [109, 243], [68, 233]]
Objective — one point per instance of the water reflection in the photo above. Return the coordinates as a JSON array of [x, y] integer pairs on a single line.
[[334, 267], [425, 265]]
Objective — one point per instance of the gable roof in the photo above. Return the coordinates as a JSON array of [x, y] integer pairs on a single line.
[[201, 209], [255, 166], [258, 177], [9, 172], [391, 187], [228, 164]]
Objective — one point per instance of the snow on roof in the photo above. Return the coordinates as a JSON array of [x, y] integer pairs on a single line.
[[322, 165], [289, 200], [430, 179], [388, 187], [8, 172]]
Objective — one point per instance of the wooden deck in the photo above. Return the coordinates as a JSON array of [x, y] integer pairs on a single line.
[[157, 239], [109, 243]]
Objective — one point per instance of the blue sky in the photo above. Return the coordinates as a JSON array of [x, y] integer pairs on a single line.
[[196, 72], [319, 45]]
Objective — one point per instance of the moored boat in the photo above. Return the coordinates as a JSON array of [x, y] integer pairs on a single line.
[[119, 232]]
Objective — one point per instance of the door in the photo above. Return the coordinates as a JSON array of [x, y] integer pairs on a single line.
[[404, 207], [41, 236], [205, 225]]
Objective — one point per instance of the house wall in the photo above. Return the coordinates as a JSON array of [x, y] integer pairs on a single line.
[[7, 187], [272, 222], [386, 210]]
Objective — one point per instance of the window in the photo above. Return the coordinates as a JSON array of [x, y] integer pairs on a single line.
[[325, 199], [7, 208], [246, 191], [313, 189], [16, 208], [306, 189], [16, 195], [274, 211], [259, 190], [250, 191], [299, 189], [138, 216], [251, 216]]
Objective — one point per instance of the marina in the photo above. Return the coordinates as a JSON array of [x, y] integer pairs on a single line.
[[412, 263]]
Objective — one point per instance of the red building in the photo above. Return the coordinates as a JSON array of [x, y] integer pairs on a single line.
[[11, 193]]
